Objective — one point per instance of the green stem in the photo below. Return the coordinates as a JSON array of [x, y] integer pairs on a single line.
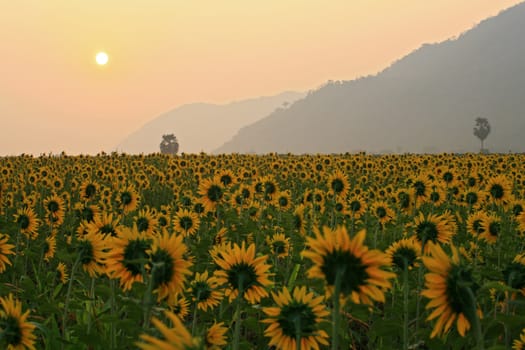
[[68, 295], [297, 322], [237, 329], [148, 297], [194, 321], [473, 318], [112, 331], [336, 311], [405, 306]]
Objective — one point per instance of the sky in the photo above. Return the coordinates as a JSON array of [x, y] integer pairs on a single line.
[[166, 53]]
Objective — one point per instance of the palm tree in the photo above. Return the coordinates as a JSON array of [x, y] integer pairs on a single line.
[[169, 144], [482, 131]]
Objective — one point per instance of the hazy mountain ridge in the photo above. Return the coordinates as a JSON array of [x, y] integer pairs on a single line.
[[425, 102], [203, 126]]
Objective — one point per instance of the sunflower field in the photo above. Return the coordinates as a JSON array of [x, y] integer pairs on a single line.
[[349, 251]]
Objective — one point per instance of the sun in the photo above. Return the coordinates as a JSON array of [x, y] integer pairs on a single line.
[[102, 58]]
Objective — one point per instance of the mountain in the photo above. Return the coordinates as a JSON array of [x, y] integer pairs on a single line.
[[203, 126], [425, 102]]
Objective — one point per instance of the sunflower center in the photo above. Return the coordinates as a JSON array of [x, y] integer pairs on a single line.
[[427, 231], [381, 212], [201, 291], [355, 206], [135, 256], [23, 221], [278, 247], [297, 221], [283, 201], [11, 331], [404, 200], [404, 256], [338, 186], [297, 318], [126, 198], [494, 228], [163, 221], [269, 188], [420, 188], [142, 224], [53, 206], [496, 191], [435, 197], [471, 198], [339, 207], [353, 271], [108, 229], [215, 193], [186, 222], [448, 177], [242, 276], [87, 214], [226, 180], [163, 267], [90, 191], [517, 209]]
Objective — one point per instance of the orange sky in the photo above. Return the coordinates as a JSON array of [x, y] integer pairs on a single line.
[[164, 53]]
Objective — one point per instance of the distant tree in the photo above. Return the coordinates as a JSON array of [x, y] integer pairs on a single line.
[[169, 144], [482, 130]]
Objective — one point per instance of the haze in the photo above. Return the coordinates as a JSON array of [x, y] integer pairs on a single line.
[[163, 54]]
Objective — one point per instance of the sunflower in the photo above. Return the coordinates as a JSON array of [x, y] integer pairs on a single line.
[[241, 271], [338, 258], [127, 199], [105, 225], [432, 228], [437, 195], [91, 252], [279, 245], [298, 220], [204, 291], [50, 245], [55, 209], [178, 305], [226, 177], [169, 267], [474, 197], [28, 222], [5, 250], [211, 192], [62, 273], [175, 338], [338, 184], [127, 257], [449, 286], [382, 212], [519, 344], [404, 253], [283, 200], [15, 332], [475, 222], [356, 207], [499, 189], [297, 317], [491, 226], [186, 222], [146, 221], [215, 336], [422, 187], [88, 190]]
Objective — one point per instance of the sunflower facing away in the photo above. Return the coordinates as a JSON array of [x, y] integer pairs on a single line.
[[404, 253], [169, 266], [91, 253], [15, 332], [212, 193], [28, 222], [433, 228], [519, 344], [447, 286], [241, 271], [336, 255], [216, 336], [62, 273], [296, 317], [186, 222]]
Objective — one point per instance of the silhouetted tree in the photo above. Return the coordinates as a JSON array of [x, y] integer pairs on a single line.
[[482, 131], [169, 144]]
